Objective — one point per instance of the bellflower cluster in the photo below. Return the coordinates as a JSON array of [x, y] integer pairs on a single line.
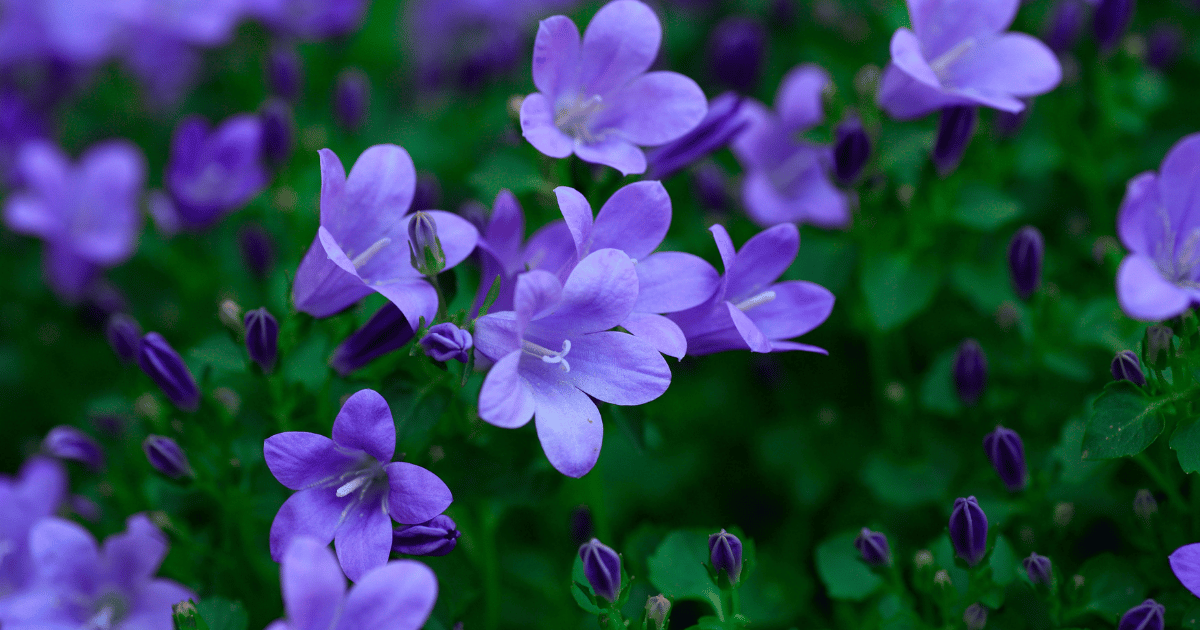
[[503, 255]]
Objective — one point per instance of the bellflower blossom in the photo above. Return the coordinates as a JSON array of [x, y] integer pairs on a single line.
[[87, 213], [310, 19], [721, 124], [362, 244], [19, 123], [788, 179], [504, 256], [595, 98], [36, 492], [958, 53], [556, 348], [348, 489], [1159, 222], [750, 310]]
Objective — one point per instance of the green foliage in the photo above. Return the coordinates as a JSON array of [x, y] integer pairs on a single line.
[[1124, 422]]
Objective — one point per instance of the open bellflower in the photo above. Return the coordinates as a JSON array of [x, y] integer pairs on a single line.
[[504, 255], [750, 311], [595, 98], [348, 489], [958, 53], [1185, 563], [36, 492], [309, 19], [1159, 223], [787, 178], [398, 595], [556, 351], [362, 244], [87, 213]]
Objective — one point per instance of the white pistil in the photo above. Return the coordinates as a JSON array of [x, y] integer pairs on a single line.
[[942, 63], [366, 256], [352, 485], [549, 356], [758, 300]]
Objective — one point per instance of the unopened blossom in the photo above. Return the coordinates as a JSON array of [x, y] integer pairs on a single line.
[[556, 351], [362, 244], [788, 178], [351, 98], [437, 537], [36, 492], [595, 98], [504, 254], [720, 125], [958, 53], [87, 213], [348, 489], [386, 331], [602, 568], [445, 341], [67, 442], [750, 310]]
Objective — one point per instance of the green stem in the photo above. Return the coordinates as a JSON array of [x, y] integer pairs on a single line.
[[1161, 479], [489, 521], [441, 297]]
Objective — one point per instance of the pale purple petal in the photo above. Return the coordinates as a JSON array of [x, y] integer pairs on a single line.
[[787, 346], [397, 596], [942, 24], [365, 424], [905, 98], [65, 554], [674, 281], [323, 287], [537, 293], [617, 368], [104, 228], [724, 246], [754, 338], [549, 248], [415, 495], [69, 274], [537, 125], [1185, 563], [457, 235], [133, 556], [598, 295], [333, 186], [415, 297], [1179, 185], [654, 109], [364, 539], [300, 459], [556, 56], [315, 512], [153, 604], [577, 213], [312, 584], [505, 231], [28, 214], [568, 423], [812, 198], [635, 219], [1141, 221], [798, 307], [661, 333], [800, 95], [620, 43], [908, 58], [496, 335], [376, 196], [761, 260], [505, 399], [615, 152], [1008, 66], [1144, 294]]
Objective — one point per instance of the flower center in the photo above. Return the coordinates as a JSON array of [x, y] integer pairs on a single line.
[[943, 62], [1177, 261], [110, 609], [365, 257], [547, 355], [575, 117], [758, 300]]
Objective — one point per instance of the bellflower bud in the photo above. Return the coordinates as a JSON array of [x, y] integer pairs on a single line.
[[1158, 345], [285, 72], [1144, 505], [424, 246], [1110, 21], [1062, 30], [446, 341], [725, 553], [975, 616], [851, 151], [1038, 569], [736, 53], [657, 609], [166, 368], [602, 567], [968, 530], [720, 125], [955, 127], [970, 371], [351, 96], [1007, 454], [166, 457], [278, 131], [385, 332], [262, 338], [124, 334], [257, 251], [1147, 615], [1125, 367], [66, 442], [435, 537], [1166, 42], [874, 548], [1025, 253]]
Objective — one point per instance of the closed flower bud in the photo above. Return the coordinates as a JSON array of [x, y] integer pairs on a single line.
[[285, 72], [350, 99], [874, 548], [968, 530], [736, 53], [851, 151], [975, 616], [725, 553], [1145, 506], [166, 457], [602, 568], [446, 341], [166, 368], [1038, 569], [278, 131], [1147, 615], [1125, 367], [1110, 21], [1025, 253], [1158, 345], [970, 371], [1066, 20], [955, 127], [262, 338], [720, 125], [257, 251], [424, 247], [124, 334], [436, 537], [66, 442], [230, 314], [1007, 454], [657, 609], [386, 331], [1165, 44]]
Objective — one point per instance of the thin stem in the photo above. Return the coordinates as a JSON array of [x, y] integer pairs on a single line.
[[441, 297], [1161, 479]]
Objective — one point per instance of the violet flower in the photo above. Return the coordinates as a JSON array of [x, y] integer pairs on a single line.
[[750, 311], [386, 331], [348, 488], [362, 244], [595, 98], [19, 123], [958, 53], [1185, 564], [503, 255], [437, 537], [87, 212], [720, 125], [37, 491], [310, 19], [211, 172], [556, 348], [445, 341]]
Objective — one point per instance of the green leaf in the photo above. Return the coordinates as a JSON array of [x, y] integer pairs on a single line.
[[187, 617], [218, 352], [904, 485], [1112, 586], [490, 298], [1003, 562], [223, 614], [677, 568], [580, 591], [843, 572], [985, 208], [1124, 422], [896, 289], [1186, 443], [1191, 618]]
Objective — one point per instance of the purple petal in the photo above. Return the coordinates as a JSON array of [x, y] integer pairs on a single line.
[[654, 109], [26, 213], [908, 57], [761, 260], [619, 44], [1144, 294], [568, 424], [537, 125], [105, 230], [333, 184], [598, 295], [1179, 185], [69, 274], [615, 152], [724, 246], [786, 346], [800, 96], [365, 424], [415, 495], [133, 556], [658, 331], [556, 56], [415, 297], [905, 98], [44, 167], [797, 308], [457, 235], [674, 281], [376, 196], [153, 604], [505, 230], [1185, 563], [617, 368], [397, 596], [538, 292], [315, 512], [577, 213], [312, 584], [299, 459], [943, 24], [1012, 65], [635, 219], [496, 335], [812, 199], [323, 287], [65, 554], [505, 400], [1140, 222], [550, 248], [364, 539], [749, 332]]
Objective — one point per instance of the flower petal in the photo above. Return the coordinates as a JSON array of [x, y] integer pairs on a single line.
[[133, 556], [658, 331], [1012, 65], [598, 295], [364, 539], [908, 58], [674, 281], [801, 93], [153, 606], [64, 553], [375, 199], [505, 400], [620, 43], [538, 293], [299, 459], [415, 495], [749, 332], [1179, 185], [397, 596], [615, 152], [105, 230], [550, 248], [556, 56], [1144, 294], [654, 109], [635, 219], [505, 230], [312, 584], [1143, 222], [785, 346], [496, 335], [798, 307], [618, 368], [1185, 563], [568, 424], [761, 260], [415, 297], [577, 213], [323, 287], [537, 125], [365, 424], [26, 213], [315, 512], [942, 24], [905, 98]]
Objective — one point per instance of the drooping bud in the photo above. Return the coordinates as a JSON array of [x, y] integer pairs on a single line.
[[602, 568], [446, 341], [975, 616], [351, 97], [424, 247], [719, 126], [285, 72], [736, 48], [955, 127], [1025, 253], [874, 548], [1110, 21], [262, 338], [166, 368], [1125, 367], [278, 131], [67, 442], [657, 610], [124, 334], [970, 371], [725, 553], [1166, 42], [968, 530], [1147, 615], [1038, 569], [186, 616], [1062, 29], [1007, 454], [387, 331], [1158, 345], [435, 537], [1145, 506], [257, 251], [851, 151], [166, 457]]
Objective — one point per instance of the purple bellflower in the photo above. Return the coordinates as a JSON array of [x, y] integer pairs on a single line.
[[504, 256], [1147, 615], [166, 368], [968, 530], [750, 311], [557, 348], [873, 546], [19, 123], [386, 331], [348, 489], [1159, 223], [595, 98], [87, 213], [788, 179], [36, 492], [602, 568], [445, 341], [362, 244], [437, 537], [310, 19], [398, 595], [67, 442], [720, 125], [958, 53], [725, 554], [1185, 563]]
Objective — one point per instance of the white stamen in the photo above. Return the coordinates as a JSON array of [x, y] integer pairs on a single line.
[[352, 485], [758, 300], [549, 356], [574, 119], [366, 256], [943, 62]]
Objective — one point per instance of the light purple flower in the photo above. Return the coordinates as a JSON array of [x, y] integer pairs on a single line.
[[503, 253], [1185, 564], [362, 244], [720, 125], [595, 98], [348, 488], [787, 178], [750, 310], [1159, 223], [211, 172], [87, 212], [958, 53], [19, 123], [37, 491], [557, 348], [67, 442], [398, 595], [310, 19]]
